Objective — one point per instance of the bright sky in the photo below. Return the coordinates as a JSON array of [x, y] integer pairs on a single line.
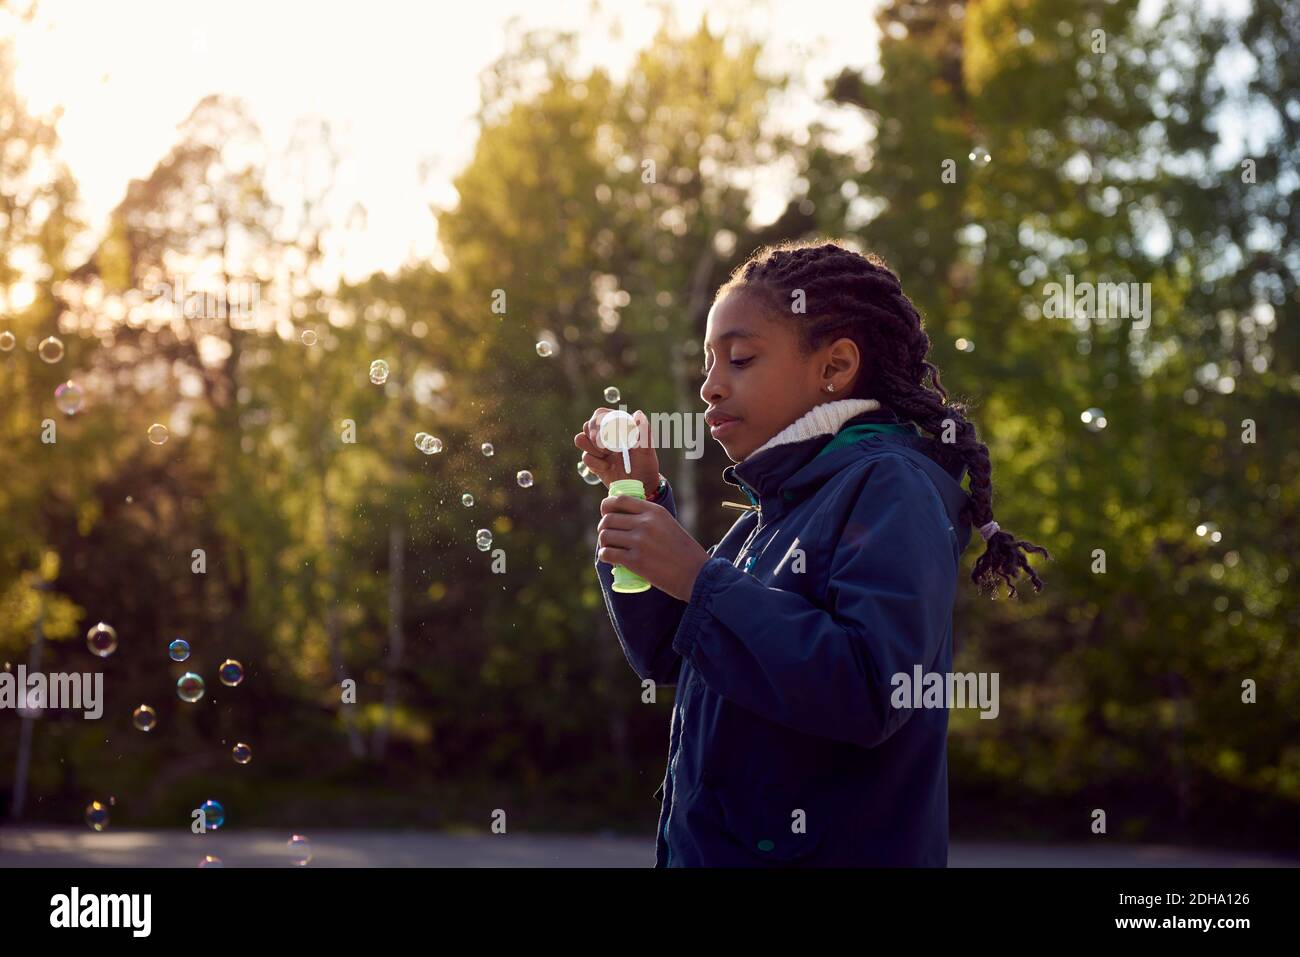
[[399, 81]]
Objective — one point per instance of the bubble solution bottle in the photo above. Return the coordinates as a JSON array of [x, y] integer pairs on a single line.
[[627, 581]]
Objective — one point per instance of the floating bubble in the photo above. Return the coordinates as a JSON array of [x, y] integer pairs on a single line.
[[211, 860], [487, 449], [112, 801], [179, 649], [544, 348], [102, 640], [1094, 419], [144, 718], [1209, 530], [190, 687], [214, 815], [50, 349], [588, 476], [467, 500], [157, 433], [379, 372], [612, 394], [232, 672], [242, 753], [299, 850], [309, 337], [483, 538], [97, 815], [69, 397], [428, 444], [980, 156], [7, 341], [525, 479]]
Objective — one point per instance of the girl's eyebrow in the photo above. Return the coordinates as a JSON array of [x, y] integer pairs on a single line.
[[735, 334]]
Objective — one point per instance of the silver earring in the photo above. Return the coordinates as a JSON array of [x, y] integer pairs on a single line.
[[830, 387]]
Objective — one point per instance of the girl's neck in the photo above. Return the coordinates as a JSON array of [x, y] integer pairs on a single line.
[[825, 418]]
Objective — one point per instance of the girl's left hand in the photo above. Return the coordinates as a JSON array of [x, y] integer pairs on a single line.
[[645, 538]]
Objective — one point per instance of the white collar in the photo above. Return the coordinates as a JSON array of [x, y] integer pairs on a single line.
[[822, 419]]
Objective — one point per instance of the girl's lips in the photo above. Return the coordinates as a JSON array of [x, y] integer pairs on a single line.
[[723, 428]]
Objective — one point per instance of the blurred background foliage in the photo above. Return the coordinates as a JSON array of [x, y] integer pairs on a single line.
[[328, 558]]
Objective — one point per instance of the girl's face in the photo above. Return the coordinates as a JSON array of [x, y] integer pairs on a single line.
[[756, 380]]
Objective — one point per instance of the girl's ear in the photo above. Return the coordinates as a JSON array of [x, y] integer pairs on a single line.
[[842, 358]]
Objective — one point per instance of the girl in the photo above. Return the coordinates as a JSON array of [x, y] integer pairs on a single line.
[[793, 642]]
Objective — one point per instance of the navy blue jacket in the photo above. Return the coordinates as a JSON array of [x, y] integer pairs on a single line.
[[784, 749]]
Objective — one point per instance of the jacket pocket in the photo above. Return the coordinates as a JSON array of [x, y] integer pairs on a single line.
[[770, 824]]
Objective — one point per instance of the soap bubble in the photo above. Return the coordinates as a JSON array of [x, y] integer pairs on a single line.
[[980, 156], [242, 753], [299, 850], [102, 640], [7, 341], [214, 815], [483, 538], [157, 433], [428, 444], [379, 372], [612, 394], [487, 449], [211, 860], [69, 397], [144, 718], [544, 348], [420, 439], [588, 476], [309, 337], [525, 479], [190, 687], [467, 500], [1094, 419], [232, 672], [179, 649], [97, 815], [50, 349], [1209, 530]]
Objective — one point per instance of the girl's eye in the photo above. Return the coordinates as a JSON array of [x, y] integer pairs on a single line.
[[738, 363]]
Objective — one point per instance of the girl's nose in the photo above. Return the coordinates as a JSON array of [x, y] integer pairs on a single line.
[[712, 391]]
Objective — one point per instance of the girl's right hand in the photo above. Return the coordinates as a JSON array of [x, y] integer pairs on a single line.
[[607, 465]]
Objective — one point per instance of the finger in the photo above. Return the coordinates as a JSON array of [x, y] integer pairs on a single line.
[[615, 556], [597, 463], [622, 521], [592, 427], [644, 439], [626, 503], [616, 538], [584, 442]]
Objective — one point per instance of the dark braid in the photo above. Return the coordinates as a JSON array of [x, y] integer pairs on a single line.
[[848, 294]]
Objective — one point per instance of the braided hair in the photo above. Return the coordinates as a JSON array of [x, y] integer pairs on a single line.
[[848, 294]]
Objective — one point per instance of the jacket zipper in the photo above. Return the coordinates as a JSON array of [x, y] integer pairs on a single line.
[[672, 768], [668, 848]]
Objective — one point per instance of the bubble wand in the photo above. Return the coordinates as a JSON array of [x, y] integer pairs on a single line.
[[619, 432]]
